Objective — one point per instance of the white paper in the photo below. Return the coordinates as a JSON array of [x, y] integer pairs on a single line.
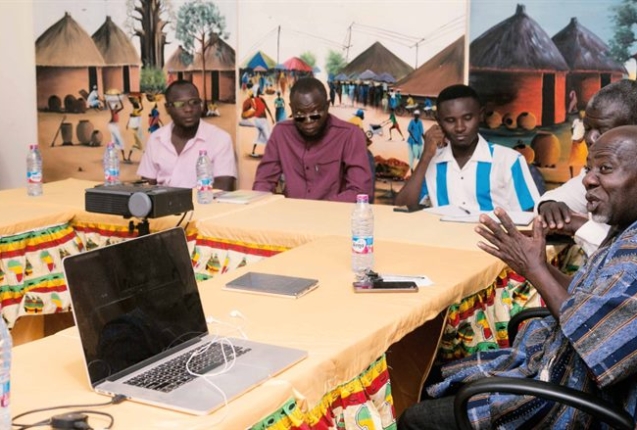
[[519, 218], [419, 280]]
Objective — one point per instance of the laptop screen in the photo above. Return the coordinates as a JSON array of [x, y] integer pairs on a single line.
[[134, 300]]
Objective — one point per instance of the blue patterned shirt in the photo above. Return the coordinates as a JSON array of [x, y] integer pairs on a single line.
[[592, 348]]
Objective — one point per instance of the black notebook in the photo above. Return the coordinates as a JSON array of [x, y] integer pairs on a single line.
[[277, 285]]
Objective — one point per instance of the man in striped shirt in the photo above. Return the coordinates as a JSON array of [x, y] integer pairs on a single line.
[[589, 342], [468, 172]]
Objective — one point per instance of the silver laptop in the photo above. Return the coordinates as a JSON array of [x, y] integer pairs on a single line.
[[138, 311]]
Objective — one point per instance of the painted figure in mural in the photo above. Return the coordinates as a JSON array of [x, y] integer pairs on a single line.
[[351, 90], [321, 156], [416, 132], [459, 167], [279, 107], [172, 151], [579, 151], [563, 209], [135, 123], [572, 102], [93, 99], [588, 341], [394, 124], [260, 118], [332, 88], [154, 122], [283, 82], [115, 107]]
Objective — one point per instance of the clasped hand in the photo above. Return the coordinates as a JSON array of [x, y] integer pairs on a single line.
[[520, 252]]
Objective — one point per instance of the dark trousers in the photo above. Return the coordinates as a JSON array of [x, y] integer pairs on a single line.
[[434, 414]]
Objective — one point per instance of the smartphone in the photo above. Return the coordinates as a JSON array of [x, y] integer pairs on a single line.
[[386, 287], [408, 209]]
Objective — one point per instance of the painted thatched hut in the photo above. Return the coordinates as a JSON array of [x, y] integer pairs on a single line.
[[178, 65], [380, 60], [122, 62], [516, 68], [220, 71], [590, 63], [67, 62], [443, 69]]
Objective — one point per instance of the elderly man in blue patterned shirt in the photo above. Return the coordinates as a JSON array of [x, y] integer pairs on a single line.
[[590, 341]]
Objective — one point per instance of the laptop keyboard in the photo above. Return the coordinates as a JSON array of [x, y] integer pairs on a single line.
[[173, 374]]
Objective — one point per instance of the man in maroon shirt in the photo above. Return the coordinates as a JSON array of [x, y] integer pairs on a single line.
[[320, 156]]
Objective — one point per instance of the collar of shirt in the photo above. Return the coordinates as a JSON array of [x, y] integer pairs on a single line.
[[481, 153], [166, 138]]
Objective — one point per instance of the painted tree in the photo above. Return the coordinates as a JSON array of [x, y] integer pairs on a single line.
[[335, 62], [200, 24], [624, 20], [309, 58], [149, 20]]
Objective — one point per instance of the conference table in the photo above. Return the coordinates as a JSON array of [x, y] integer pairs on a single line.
[[351, 340], [355, 341]]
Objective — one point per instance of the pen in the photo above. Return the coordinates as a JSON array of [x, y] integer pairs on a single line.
[[465, 210]]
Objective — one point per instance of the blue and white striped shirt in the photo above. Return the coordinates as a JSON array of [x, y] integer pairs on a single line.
[[494, 176]]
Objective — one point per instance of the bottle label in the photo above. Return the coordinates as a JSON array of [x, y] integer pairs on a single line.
[[111, 176], [204, 184], [362, 244], [34, 177], [4, 394]]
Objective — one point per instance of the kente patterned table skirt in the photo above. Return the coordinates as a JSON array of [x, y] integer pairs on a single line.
[[31, 276], [365, 402]]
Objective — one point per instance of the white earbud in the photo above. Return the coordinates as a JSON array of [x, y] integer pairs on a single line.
[[236, 314]]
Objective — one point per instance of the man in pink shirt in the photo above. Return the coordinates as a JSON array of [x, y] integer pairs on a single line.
[[320, 156], [171, 152]]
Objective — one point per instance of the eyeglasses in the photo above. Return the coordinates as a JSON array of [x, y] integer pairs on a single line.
[[311, 117], [180, 104]]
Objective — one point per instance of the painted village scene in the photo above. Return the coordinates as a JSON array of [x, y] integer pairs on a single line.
[[102, 78]]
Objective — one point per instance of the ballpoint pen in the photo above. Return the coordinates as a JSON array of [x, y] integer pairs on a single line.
[[465, 210]]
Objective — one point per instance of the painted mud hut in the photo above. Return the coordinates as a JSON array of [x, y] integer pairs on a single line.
[[516, 68], [67, 62], [380, 60], [220, 72], [590, 63], [443, 69], [177, 67], [121, 61]]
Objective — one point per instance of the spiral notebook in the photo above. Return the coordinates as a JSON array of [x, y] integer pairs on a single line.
[[274, 285]]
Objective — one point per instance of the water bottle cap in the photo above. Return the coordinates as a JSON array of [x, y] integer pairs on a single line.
[[203, 152], [362, 198], [33, 146], [111, 144]]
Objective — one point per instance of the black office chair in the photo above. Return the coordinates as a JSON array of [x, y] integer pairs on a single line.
[[603, 411]]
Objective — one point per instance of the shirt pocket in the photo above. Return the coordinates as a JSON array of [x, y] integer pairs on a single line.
[[328, 170]]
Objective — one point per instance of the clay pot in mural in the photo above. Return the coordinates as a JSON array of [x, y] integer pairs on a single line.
[[54, 104], [509, 120], [493, 119], [80, 105], [96, 138], [83, 131], [527, 120], [67, 133], [527, 152], [547, 149], [69, 103]]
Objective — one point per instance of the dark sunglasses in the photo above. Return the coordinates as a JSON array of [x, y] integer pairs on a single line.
[[304, 118], [179, 104]]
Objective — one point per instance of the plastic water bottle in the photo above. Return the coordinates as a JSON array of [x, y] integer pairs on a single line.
[[111, 165], [204, 178], [362, 237], [34, 171], [5, 376]]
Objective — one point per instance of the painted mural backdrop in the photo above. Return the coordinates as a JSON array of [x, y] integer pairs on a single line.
[[101, 68], [535, 67], [364, 52]]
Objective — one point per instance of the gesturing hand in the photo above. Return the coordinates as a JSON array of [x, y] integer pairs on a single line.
[[560, 219], [522, 253]]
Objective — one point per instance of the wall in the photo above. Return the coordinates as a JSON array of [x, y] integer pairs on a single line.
[[18, 121]]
